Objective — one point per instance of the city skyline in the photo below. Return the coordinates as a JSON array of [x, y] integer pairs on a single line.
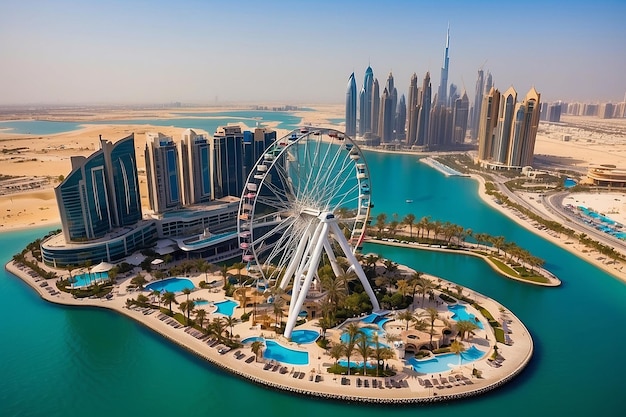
[[137, 52]]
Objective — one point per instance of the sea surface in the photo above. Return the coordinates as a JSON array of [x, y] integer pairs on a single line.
[[204, 121], [61, 361]]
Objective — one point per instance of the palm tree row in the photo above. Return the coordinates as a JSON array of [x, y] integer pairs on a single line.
[[449, 233], [358, 341]]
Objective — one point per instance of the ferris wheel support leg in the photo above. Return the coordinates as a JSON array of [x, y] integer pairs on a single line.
[[294, 263], [355, 264], [332, 258], [315, 258]]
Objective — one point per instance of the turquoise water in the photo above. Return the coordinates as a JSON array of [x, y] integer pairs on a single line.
[[569, 183], [460, 313], [70, 362], [226, 307], [203, 121], [445, 362], [39, 127], [304, 336], [81, 280], [170, 284], [276, 351], [356, 364]]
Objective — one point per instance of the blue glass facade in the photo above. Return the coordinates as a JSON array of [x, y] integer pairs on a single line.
[[125, 182], [83, 199], [229, 171], [109, 250]]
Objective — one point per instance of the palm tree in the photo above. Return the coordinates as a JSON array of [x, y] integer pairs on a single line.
[[407, 316], [465, 327], [139, 281], [424, 285], [381, 221], [200, 316], [257, 349], [352, 330], [190, 306], [187, 291], [157, 295], [380, 352], [217, 327], [457, 348], [230, 322], [278, 312], [337, 352], [433, 315], [364, 349], [169, 298], [409, 220]]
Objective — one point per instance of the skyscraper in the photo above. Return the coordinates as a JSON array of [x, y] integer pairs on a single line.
[[195, 163], [508, 129], [365, 102], [442, 93], [487, 124], [163, 173], [412, 111], [228, 171], [375, 106], [400, 119], [478, 101], [386, 119], [351, 107], [423, 119], [525, 130], [502, 136], [101, 193], [459, 122]]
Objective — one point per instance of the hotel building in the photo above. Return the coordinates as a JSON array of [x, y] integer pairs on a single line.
[[194, 189], [508, 129]]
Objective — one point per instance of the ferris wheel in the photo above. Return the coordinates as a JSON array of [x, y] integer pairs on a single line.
[[308, 195]]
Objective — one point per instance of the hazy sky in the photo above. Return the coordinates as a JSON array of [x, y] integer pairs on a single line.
[[203, 51]]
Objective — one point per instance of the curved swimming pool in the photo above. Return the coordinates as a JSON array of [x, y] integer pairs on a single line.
[[276, 351], [226, 307], [460, 313], [170, 285], [445, 362], [304, 336]]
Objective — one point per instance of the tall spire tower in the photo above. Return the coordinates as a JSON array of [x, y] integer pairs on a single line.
[[442, 94], [351, 107]]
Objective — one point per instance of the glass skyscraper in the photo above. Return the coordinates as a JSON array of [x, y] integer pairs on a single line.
[[351, 107], [228, 170], [100, 193], [163, 173]]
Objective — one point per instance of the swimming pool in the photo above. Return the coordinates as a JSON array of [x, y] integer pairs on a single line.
[[369, 332], [304, 336], [460, 313], [226, 307], [276, 351], [85, 279], [200, 302], [445, 362], [569, 183], [170, 285], [280, 353], [356, 364]]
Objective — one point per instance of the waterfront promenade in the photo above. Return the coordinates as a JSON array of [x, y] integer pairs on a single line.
[[407, 386]]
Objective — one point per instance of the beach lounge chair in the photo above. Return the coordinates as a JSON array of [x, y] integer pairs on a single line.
[[358, 382], [301, 375], [267, 366], [428, 384], [318, 378], [374, 383], [366, 383], [250, 359]]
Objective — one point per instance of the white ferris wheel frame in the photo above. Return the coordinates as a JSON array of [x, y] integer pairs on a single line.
[[305, 219]]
